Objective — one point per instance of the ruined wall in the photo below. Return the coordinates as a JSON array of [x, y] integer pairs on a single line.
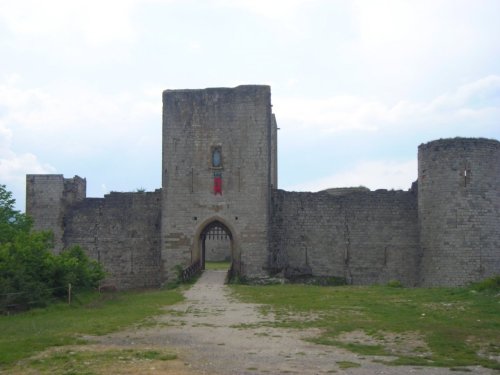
[[239, 122], [366, 237], [459, 210], [47, 199], [122, 232]]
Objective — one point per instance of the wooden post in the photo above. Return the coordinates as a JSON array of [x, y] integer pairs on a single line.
[[69, 294]]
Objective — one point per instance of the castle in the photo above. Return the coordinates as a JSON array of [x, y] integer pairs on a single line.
[[219, 181]]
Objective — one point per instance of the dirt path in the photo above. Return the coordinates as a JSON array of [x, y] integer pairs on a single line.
[[208, 335]]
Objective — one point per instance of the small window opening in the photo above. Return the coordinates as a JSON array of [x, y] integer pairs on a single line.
[[467, 176], [216, 157]]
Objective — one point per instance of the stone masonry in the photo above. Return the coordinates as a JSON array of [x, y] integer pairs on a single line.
[[219, 180]]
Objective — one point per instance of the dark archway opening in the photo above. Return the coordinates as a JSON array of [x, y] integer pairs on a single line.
[[216, 246]]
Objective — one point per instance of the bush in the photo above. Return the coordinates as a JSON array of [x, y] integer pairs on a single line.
[[490, 284], [73, 267], [394, 284], [30, 274], [25, 270], [12, 222]]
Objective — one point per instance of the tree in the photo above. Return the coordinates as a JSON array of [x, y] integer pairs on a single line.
[[30, 273], [12, 222], [73, 266]]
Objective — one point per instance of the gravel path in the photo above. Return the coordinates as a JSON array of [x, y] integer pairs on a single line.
[[207, 332]]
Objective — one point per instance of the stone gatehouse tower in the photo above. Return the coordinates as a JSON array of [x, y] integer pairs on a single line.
[[219, 166], [219, 181]]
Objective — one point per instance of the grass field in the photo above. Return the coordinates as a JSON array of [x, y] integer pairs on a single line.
[[223, 266], [25, 334], [434, 327]]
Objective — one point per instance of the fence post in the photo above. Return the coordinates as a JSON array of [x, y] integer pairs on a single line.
[[69, 294]]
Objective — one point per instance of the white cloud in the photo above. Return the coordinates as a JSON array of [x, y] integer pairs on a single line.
[[71, 113], [484, 92], [5, 140], [409, 46], [477, 101], [376, 174], [14, 166], [330, 114], [95, 22], [388, 22], [276, 9]]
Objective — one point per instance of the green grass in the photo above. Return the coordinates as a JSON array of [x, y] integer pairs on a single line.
[[456, 324], [25, 334], [94, 362], [347, 364], [217, 266]]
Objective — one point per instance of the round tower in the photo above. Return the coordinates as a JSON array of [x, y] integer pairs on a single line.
[[459, 210]]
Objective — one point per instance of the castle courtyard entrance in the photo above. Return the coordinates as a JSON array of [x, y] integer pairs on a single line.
[[216, 245]]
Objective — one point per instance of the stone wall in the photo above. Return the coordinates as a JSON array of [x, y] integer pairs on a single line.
[[218, 249], [239, 122], [459, 210], [122, 232], [364, 237]]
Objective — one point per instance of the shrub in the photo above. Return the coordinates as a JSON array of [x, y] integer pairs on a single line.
[[394, 284], [73, 267], [30, 274], [489, 284], [12, 222]]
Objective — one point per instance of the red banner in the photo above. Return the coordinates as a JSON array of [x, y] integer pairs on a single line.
[[218, 185]]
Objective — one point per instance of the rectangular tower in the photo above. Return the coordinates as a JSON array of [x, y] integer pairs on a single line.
[[218, 167], [48, 196]]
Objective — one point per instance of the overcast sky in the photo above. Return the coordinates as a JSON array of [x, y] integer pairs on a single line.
[[356, 85]]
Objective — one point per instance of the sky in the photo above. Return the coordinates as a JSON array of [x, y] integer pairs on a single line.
[[356, 85]]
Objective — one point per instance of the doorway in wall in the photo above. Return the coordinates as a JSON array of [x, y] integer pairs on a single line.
[[216, 243]]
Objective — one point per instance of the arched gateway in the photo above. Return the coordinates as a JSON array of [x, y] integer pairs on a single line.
[[215, 228]]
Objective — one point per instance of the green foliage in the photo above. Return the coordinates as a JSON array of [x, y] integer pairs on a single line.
[[490, 284], [347, 364], [394, 284], [237, 279], [178, 272], [319, 280], [73, 267], [71, 361], [30, 274], [218, 266], [12, 222], [179, 281]]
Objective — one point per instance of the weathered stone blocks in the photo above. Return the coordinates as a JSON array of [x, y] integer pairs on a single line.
[[220, 170]]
